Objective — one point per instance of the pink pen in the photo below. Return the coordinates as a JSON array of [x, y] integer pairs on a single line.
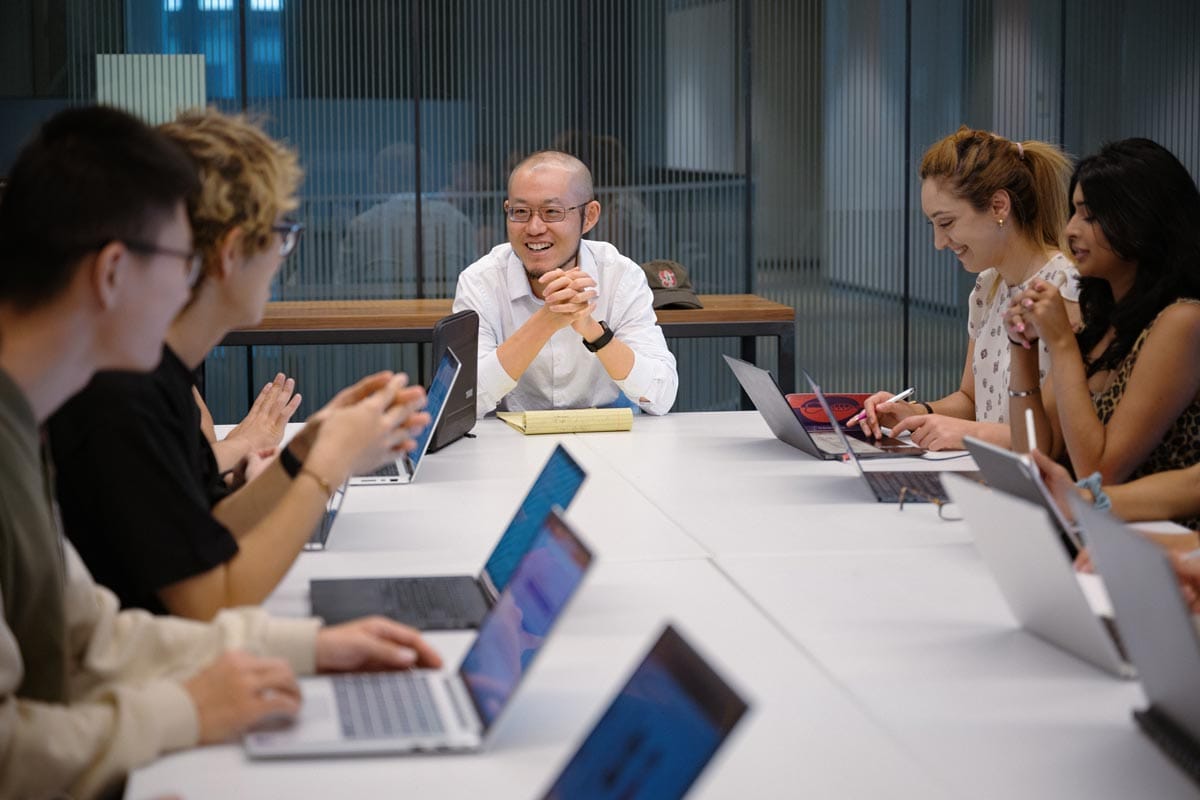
[[857, 417]]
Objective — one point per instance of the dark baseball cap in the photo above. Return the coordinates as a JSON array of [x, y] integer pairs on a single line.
[[671, 285]]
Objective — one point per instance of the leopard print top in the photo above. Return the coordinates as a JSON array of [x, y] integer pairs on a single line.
[[1180, 445]]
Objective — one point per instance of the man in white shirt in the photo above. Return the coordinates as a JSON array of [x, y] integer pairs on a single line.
[[563, 323]]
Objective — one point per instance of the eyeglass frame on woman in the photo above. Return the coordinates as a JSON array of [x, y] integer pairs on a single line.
[[289, 231], [510, 210], [908, 491], [194, 259]]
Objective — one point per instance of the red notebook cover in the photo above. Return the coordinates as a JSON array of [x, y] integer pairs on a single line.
[[844, 406]]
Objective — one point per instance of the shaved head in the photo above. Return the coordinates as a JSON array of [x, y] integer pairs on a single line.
[[581, 176]]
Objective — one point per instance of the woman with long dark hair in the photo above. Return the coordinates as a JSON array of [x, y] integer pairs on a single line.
[[1123, 396]]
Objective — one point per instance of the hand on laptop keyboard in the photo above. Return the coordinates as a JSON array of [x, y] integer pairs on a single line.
[[373, 643]]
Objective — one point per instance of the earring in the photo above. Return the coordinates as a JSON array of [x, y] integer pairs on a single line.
[[1000, 222]]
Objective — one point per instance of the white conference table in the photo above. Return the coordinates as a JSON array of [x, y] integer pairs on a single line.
[[877, 653]]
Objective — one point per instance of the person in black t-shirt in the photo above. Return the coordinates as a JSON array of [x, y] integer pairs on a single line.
[[140, 490]]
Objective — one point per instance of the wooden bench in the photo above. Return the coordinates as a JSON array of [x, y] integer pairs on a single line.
[[401, 321]]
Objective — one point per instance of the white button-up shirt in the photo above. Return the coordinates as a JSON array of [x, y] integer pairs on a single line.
[[564, 374]]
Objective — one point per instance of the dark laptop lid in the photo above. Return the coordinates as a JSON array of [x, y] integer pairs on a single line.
[[515, 629], [658, 734], [849, 454], [439, 390], [556, 485], [1156, 625], [772, 404], [458, 332]]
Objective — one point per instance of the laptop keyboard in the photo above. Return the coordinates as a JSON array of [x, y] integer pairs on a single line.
[[388, 470], [887, 485], [386, 705], [436, 598]]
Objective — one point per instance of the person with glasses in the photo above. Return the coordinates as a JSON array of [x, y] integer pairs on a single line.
[[88, 693], [563, 322], [190, 546]]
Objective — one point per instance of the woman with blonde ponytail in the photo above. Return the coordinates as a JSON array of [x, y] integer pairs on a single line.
[[1001, 207]]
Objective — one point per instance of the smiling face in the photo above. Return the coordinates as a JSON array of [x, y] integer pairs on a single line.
[[540, 245], [1090, 250], [972, 235]]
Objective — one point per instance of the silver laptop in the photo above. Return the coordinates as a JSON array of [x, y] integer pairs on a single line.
[[439, 711], [1021, 546], [1013, 473], [404, 468], [320, 534], [760, 386], [451, 602], [1159, 630], [658, 734], [915, 486]]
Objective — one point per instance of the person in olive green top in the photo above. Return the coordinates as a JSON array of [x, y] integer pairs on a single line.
[[95, 251]]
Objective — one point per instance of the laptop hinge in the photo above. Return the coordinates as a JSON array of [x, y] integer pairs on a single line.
[[464, 709]]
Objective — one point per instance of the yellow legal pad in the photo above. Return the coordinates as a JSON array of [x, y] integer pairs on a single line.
[[569, 420]]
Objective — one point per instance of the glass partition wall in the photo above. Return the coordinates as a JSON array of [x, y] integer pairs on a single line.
[[770, 146]]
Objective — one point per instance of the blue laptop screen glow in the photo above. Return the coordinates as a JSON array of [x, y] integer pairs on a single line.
[[439, 390], [658, 734], [556, 485], [514, 630]]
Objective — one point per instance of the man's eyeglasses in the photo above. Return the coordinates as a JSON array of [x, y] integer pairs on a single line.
[[289, 232], [193, 260], [548, 214], [917, 496]]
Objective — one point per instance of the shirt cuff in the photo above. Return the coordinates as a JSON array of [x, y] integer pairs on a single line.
[[639, 380], [295, 641], [173, 713], [493, 383]]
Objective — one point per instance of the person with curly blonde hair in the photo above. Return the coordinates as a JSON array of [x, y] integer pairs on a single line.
[[1000, 207], [189, 546]]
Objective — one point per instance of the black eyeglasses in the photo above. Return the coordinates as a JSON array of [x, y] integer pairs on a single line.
[[548, 214], [193, 260], [917, 496], [289, 232]]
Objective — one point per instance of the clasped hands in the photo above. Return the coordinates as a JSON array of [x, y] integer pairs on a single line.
[[1037, 312], [570, 297]]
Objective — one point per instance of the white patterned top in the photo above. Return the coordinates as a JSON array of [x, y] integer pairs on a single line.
[[985, 325]]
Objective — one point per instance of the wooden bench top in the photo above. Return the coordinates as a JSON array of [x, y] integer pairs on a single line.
[[315, 315]]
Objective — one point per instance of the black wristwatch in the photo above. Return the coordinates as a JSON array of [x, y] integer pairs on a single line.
[[604, 339]]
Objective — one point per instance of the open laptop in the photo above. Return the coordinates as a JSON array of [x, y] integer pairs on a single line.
[[454, 602], [658, 734], [404, 468], [1020, 544], [1013, 473], [436, 711], [460, 333], [887, 486], [785, 423], [1159, 631], [320, 534]]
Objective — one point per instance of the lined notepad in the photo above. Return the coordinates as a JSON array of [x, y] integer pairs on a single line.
[[571, 420]]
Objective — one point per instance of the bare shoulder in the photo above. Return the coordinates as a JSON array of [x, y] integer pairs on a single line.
[[1175, 332]]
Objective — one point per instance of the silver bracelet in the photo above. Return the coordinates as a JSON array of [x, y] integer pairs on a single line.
[[1025, 392]]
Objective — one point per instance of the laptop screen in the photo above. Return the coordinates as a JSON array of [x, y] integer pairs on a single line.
[[658, 734], [439, 390], [556, 485], [514, 630]]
